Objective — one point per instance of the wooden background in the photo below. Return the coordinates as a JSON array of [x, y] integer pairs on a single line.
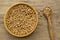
[[41, 33]]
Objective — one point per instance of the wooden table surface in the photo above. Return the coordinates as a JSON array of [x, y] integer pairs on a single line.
[[41, 32]]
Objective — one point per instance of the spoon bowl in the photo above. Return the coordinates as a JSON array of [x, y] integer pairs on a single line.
[[47, 11]]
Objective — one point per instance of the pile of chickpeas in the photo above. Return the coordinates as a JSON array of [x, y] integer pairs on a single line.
[[21, 20]]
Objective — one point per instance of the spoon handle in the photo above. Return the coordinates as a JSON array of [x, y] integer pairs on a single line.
[[50, 29]]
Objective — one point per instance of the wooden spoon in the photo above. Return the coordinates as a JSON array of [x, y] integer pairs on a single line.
[[47, 13]]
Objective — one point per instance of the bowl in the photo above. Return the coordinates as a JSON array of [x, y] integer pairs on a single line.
[[21, 19]]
